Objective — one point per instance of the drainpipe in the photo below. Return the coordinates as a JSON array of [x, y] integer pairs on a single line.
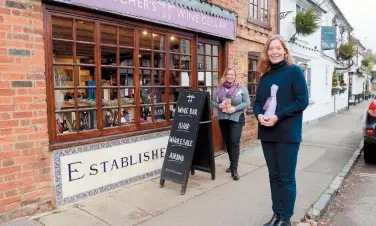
[[278, 18]]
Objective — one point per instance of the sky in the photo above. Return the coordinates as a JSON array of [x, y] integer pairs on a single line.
[[361, 14]]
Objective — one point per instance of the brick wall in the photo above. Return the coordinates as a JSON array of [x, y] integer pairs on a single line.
[[250, 37], [25, 163]]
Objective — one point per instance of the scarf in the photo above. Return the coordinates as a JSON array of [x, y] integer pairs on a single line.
[[232, 91]]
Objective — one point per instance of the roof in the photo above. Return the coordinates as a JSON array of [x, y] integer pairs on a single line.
[[357, 41], [316, 5], [203, 7], [340, 13]]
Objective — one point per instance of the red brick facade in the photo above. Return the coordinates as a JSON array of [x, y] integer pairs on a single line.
[[250, 38], [25, 162], [26, 175]]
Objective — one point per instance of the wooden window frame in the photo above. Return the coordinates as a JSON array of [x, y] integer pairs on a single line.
[[212, 43], [253, 56], [100, 135], [258, 21]]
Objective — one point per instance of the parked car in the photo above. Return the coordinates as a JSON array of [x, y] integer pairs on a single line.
[[369, 132]]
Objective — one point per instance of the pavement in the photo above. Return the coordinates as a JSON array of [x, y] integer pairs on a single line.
[[325, 151]]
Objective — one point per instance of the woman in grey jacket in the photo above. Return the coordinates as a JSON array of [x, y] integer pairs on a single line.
[[231, 99]]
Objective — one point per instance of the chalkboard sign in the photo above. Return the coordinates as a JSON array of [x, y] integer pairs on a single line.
[[190, 145]]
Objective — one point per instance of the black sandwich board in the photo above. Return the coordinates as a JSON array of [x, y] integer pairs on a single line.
[[190, 144]]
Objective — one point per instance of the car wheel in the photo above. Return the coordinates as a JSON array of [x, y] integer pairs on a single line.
[[369, 155]]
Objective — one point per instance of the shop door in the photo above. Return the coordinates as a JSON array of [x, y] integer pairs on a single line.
[[209, 67]]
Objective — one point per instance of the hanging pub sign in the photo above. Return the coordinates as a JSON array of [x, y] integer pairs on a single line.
[[328, 37], [190, 145]]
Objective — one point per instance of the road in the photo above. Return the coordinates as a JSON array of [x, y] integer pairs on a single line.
[[355, 204]]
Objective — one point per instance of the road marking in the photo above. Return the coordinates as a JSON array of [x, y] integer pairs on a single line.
[[367, 175]]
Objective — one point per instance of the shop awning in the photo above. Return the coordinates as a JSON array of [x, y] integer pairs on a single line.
[[186, 14]]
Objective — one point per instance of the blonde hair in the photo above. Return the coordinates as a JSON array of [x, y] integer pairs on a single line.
[[223, 78], [264, 64]]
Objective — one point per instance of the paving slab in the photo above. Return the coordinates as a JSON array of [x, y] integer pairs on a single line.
[[72, 217], [113, 211]]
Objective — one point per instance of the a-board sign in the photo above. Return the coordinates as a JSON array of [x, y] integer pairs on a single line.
[[190, 145]]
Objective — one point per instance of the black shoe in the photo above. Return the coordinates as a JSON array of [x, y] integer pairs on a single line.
[[273, 221], [228, 170], [284, 223], [234, 174]]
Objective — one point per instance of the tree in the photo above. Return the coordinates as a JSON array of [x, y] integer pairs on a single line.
[[368, 61]]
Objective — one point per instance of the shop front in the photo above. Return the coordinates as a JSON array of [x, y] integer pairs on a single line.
[[114, 71]]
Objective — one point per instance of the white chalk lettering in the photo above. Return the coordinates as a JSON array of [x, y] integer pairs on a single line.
[[176, 157], [182, 110], [181, 141], [183, 125], [192, 111]]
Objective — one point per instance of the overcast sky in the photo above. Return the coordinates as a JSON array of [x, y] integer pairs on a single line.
[[361, 14]]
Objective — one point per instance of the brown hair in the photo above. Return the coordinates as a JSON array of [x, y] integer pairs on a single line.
[[223, 78], [264, 62]]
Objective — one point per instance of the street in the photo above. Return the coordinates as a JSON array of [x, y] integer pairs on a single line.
[[355, 204]]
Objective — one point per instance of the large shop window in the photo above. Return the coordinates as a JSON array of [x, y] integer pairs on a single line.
[[109, 79]]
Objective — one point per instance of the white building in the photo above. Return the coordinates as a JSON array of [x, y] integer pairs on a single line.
[[318, 64], [358, 76]]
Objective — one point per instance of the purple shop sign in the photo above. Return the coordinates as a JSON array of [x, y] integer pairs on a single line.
[[163, 13]]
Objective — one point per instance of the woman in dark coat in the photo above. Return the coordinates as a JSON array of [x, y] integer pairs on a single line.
[[281, 98]]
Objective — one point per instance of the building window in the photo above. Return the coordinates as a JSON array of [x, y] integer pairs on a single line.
[[307, 74], [107, 78], [208, 65], [253, 79], [259, 11], [253, 12], [180, 64]]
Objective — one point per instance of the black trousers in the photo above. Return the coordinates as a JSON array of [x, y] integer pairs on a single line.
[[281, 159], [232, 132]]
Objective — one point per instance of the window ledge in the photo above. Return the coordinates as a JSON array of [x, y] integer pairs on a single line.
[[69, 144], [311, 102], [259, 23]]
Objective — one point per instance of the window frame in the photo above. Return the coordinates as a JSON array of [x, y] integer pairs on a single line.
[[99, 135], [253, 56], [258, 21], [309, 81]]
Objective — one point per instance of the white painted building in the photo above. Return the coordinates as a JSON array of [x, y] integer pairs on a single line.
[[358, 75], [318, 65]]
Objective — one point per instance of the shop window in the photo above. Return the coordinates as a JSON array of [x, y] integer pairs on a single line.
[[259, 11], [180, 64], [208, 61], [107, 78], [253, 78]]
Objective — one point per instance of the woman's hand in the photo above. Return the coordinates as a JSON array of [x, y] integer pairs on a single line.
[[267, 121], [222, 105], [261, 119], [270, 121], [231, 110]]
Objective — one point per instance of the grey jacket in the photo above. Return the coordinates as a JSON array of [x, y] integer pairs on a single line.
[[240, 102]]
